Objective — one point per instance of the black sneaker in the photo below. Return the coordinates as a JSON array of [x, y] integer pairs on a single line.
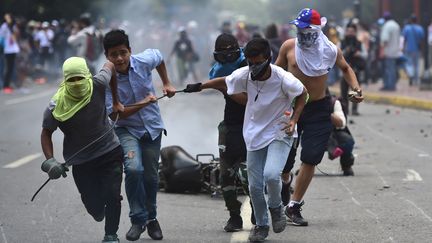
[[110, 239], [348, 171], [294, 215], [278, 219], [287, 190], [234, 224], [135, 232], [154, 230], [259, 233]]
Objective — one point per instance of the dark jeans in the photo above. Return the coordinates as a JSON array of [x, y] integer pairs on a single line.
[[99, 183], [10, 66], [344, 95], [232, 153]]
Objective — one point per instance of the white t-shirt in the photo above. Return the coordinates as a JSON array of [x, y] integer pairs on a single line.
[[275, 96], [45, 38], [10, 43], [390, 34]]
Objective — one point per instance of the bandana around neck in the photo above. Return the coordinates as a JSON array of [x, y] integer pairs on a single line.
[[317, 59]]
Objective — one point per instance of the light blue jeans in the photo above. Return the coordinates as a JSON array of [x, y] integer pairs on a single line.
[[141, 169], [264, 168]]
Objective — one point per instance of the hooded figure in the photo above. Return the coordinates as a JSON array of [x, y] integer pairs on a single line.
[[75, 90]]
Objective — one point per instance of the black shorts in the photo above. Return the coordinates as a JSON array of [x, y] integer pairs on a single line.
[[314, 128]]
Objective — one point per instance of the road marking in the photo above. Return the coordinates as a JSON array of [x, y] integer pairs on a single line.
[[423, 155], [22, 161], [246, 211], [418, 208], [413, 175], [28, 98], [3, 233]]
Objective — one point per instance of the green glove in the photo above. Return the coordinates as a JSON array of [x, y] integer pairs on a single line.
[[54, 169]]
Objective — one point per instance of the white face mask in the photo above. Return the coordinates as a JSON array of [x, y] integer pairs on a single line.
[[307, 37]]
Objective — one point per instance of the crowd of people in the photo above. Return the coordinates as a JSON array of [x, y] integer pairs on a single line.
[[275, 86]]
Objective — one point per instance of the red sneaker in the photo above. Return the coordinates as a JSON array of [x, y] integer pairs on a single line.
[[7, 90]]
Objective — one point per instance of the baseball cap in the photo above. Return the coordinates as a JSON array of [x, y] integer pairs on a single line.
[[306, 18]]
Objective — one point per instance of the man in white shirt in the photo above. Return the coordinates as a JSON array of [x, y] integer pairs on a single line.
[[268, 133], [390, 36]]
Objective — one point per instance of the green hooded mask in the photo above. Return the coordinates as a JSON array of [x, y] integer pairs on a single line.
[[72, 96]]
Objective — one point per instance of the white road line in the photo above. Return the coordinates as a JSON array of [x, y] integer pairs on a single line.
[[242, 236], [385, 184], [22, 161], [418, 208], [28, 97], [423, 155], [3, 233], [412, 175]]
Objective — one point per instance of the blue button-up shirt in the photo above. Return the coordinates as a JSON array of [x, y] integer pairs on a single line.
[[135, 86]]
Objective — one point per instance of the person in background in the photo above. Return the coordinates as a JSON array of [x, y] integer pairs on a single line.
[[9, 32], [352, 51], [390, 37], [185, 56], [341, 142], [413, 44]]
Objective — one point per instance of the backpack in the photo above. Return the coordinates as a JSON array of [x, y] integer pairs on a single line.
[[94, 46]]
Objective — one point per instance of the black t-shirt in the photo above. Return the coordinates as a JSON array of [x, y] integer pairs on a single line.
[[234, 112], [88, 124]]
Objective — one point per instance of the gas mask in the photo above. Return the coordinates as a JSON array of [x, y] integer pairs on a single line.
[[258, 70], [226, 56], [307, 37]]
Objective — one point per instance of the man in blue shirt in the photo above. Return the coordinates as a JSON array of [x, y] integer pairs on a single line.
[[413, 37], [139, 129]]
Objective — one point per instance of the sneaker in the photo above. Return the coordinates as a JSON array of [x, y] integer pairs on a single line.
[[110, 239], [278, 219], [259, 233], [287, 190], [135, 232], [7, 90], [154, 230], [234, 224], [294, 215], [348, 171]]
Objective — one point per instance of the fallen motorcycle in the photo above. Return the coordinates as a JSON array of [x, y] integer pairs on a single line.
[[179, 172]]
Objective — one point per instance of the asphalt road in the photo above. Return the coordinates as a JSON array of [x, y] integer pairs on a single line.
[[388, 199]]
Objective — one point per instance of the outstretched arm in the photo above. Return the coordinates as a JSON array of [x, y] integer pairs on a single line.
[[216, 83]]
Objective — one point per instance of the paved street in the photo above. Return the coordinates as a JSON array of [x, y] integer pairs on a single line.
[[388, 199]]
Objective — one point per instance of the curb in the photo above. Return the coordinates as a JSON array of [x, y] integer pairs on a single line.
[[402, 101]]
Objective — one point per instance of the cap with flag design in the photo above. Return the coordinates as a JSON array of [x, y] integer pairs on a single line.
[[306, 18]]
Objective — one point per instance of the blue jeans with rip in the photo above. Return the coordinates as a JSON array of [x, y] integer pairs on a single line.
[[264, 167], [141, 170]]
